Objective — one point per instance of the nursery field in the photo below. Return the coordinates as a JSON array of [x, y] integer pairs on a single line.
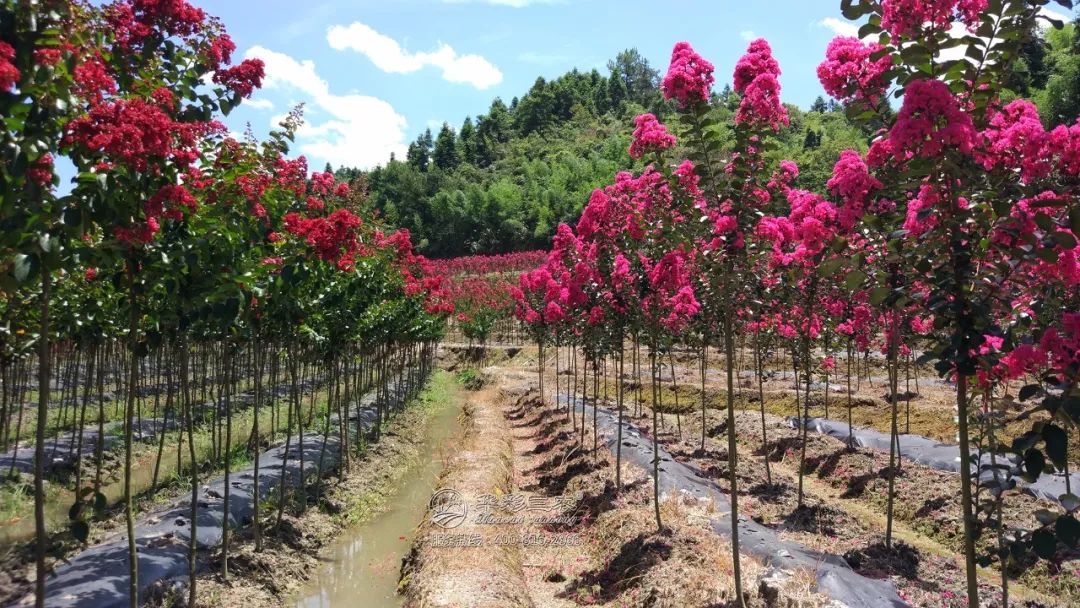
[[762, 356]]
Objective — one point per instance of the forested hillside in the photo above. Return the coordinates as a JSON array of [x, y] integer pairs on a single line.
[[503, 181]]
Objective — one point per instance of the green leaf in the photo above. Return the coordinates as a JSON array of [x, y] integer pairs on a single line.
[[1056, 444], [829, 267], [854, 279], [1045, 543], [1064, 239], [101, 503], [1046, 516], [1074, 219], [878, 295], [1034, 463], [80, 530], [1029, 391], [1050, 256], [1068, 530]]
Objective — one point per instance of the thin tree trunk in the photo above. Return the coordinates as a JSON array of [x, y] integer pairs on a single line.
[[894, 373], [129, 512], [655, 438], [260, 360], [189, 422], [965, 493], [759, 372], [733, 455], [40, 540], [618, 443], [230, 366]]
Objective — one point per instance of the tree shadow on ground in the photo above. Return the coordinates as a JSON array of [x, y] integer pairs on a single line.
[[773, 493], [816, 519], [879, 561], [633, 560]]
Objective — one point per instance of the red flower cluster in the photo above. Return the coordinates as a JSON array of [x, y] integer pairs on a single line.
[[134, 132], [334, 238], [170, 201], [41, 171], [134, 21], [9, 74], [92, 80], [243, 78], [488, 264]]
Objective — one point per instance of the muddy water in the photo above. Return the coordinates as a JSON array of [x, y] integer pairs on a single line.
[[362, 566]]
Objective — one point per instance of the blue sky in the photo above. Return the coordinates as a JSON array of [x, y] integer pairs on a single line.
[[375, 73]]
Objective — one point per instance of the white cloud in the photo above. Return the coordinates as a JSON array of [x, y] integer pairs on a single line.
[[747, 35], [259, 104], [840, 27], [361, 131], [389, 56]]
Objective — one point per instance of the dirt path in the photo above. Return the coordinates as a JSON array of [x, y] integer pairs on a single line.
[[529, 451], [455, 561], [544, 568]]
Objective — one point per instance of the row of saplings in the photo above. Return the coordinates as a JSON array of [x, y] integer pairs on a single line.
[[186, 405]]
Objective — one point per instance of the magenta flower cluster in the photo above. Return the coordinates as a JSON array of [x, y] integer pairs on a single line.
[[689, 77], [906, 18], [650, 136], [756, 77], [850, 72], [931, 120]]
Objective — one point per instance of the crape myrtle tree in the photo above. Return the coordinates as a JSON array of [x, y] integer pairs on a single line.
[[133, 143], [651, 248], [39, 55], [955, 235], [975, 194], [182, 261]]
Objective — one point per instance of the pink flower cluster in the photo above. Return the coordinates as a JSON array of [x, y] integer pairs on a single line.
[[906, 18], [850, 73], [1016, 140], [852, 182], [756, 78], [689, 77], [1063, 346], [625, 206], [650, 136], [930, 120], [804, 233], [670, 300]]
